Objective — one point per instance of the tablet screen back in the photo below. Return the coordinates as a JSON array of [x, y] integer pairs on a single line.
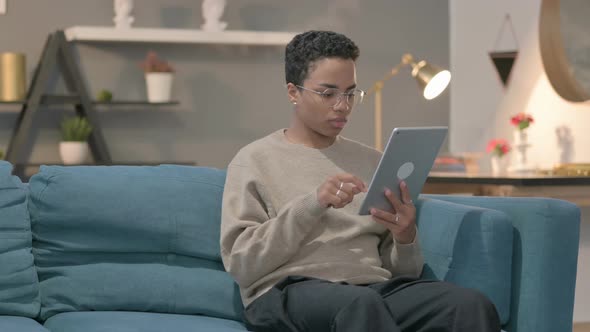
[[408, 156]]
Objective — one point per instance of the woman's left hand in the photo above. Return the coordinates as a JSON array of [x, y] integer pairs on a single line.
[[401, 220]]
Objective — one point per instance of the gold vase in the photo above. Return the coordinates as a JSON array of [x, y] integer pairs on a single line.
[[12, 77]]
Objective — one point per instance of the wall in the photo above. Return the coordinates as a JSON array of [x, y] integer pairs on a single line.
[[481, 107], [228, 95]]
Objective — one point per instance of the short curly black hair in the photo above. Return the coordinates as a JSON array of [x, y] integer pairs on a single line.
[[310, 46]]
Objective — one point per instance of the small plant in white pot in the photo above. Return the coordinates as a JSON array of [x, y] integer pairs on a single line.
[[158, 78], [73, 148]]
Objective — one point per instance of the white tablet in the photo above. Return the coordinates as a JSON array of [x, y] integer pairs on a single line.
[[409, 156]]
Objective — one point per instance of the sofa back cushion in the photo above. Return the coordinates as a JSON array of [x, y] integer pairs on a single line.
[[130, 238], [19, 287]]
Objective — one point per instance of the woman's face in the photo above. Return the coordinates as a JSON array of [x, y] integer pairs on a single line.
[[316, 114]]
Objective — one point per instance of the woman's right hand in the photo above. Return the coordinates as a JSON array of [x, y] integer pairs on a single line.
[[339, 190]]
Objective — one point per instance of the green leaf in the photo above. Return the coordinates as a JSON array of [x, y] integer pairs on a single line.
[[75, 129], [105, 96]]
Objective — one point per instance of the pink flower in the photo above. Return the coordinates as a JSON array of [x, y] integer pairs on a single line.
[[498, 147], [153, 64], [522, 120]]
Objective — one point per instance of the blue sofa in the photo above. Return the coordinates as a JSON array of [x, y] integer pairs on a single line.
[[130, 248]]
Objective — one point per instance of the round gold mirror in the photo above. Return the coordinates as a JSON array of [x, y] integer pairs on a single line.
[[565, 47]]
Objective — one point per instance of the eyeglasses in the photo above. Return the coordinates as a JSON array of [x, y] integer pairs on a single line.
[[331, 97]]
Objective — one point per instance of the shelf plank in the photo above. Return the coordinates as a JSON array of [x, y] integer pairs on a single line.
[[133, 103], [17, 102], [67, 100], [179, 36]]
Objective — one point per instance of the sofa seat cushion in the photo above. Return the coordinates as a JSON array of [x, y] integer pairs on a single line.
[[20, 324], [118, 321], [130, 238], [19, 287]]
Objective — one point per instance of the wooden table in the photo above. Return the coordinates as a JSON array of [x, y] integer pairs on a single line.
[[575, 189]]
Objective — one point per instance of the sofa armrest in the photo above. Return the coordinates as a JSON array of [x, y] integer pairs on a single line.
[[468, 246], [545, 258]]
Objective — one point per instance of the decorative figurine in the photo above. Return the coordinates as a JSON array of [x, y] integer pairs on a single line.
[[565, 141], [122, 10], [212, 12]]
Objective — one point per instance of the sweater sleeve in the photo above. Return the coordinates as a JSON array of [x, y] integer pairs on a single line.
[[401, 259], [252, 243]]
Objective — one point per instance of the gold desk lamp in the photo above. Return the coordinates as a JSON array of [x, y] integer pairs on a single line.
[[432, 80]]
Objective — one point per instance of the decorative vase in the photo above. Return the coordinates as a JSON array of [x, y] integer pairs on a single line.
[[12, 77], [159, 87], [498, 165], [520, 137], [73, 153], [521, 144]]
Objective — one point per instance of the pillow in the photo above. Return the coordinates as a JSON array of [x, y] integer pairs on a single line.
[[131, 238]]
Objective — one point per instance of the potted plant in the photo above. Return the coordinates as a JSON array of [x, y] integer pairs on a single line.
[[498, 148], [158, 77], [73, 148]]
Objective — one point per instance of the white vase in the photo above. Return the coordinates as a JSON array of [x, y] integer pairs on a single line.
[[520, 137], [159, 87], [73, 153], [498, 165], [521, 145]]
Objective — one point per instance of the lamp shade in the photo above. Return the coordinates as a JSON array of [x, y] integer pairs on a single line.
[[431, 79]]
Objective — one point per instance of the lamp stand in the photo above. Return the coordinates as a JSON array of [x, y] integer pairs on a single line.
[[378, 116], [377, 88]]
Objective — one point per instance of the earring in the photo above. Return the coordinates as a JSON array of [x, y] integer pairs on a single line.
[[294, 103]]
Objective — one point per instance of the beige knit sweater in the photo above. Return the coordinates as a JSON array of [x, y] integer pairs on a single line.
[[272, 225]]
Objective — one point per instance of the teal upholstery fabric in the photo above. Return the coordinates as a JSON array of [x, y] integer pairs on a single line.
[[138, 322], [137, 249], [19, 287], [545, 256], [468, 246], [121, 238], [20, 324]]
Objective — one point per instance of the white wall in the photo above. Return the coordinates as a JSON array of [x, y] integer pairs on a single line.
[[481, 107]]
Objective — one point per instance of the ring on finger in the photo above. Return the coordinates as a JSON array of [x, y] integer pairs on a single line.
[[341, 184], [338, 192], [396, 218]]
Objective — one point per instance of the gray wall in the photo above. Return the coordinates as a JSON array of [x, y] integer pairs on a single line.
[[228, 95]]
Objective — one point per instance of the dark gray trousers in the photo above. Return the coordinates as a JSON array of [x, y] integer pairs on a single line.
[[301, 304]]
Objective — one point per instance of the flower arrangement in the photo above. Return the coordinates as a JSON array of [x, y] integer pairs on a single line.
[[498, 147], [153, 64], [522, 121]]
